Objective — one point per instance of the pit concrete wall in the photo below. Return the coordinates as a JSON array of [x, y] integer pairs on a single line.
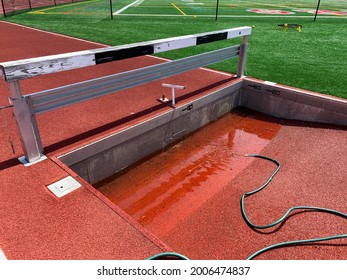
[[116, 152], [112, 154]]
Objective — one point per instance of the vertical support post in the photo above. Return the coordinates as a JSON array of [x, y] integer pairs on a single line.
[[3, 7], [26, 121], [217, 6], [242, 57], [173, 96], [317, 9], [111, 9]]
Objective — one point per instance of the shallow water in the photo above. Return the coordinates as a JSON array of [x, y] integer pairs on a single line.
[[166, 188]]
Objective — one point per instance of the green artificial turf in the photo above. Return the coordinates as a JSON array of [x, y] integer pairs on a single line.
[[314, 59]]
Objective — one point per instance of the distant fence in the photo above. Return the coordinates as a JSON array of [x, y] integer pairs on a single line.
[[9, 7]]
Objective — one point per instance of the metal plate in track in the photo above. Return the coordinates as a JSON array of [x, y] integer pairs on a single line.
[[64, 186]]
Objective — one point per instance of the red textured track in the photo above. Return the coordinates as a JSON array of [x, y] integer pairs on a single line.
[[85, 225]]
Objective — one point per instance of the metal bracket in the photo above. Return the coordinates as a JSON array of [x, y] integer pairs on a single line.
[[26, 163], [257, 87], [6, 107], [274, 91], [188, 108]]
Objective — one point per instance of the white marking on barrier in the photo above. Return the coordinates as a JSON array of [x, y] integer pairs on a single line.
[[47, 64], [238, 32], [103, 45], [167, 46], [138, 2]]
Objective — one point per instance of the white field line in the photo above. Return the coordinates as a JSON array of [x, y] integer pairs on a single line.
[[201, 68], [137, 2], [57, 34], [232, 16]]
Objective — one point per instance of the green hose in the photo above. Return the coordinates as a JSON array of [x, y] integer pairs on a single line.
[[168, 255], [285, 216], [295, 243]]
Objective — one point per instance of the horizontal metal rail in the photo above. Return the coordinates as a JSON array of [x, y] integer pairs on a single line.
[[27, 68], [48, 100]]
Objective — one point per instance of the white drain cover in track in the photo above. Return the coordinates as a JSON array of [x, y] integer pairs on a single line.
[[64, 186]]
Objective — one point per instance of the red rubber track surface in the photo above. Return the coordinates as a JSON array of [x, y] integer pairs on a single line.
[[23, 5], [85, 225]]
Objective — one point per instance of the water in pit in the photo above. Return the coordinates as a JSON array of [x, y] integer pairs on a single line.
[[166, 188]]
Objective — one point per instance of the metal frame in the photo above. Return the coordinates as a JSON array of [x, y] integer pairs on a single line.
[[67, 95], [28, 106], [26, 121]]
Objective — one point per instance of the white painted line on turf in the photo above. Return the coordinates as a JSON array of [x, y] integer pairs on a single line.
[[202, 68], [56, 34], [231, 16], [137, 2], [217, 72]]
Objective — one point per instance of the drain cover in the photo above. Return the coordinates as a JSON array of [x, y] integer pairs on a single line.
[[64, 186]]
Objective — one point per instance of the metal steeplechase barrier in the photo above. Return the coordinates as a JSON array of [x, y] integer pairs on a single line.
[[27, 107]]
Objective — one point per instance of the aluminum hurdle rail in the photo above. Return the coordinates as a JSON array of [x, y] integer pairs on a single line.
[[26, 107]]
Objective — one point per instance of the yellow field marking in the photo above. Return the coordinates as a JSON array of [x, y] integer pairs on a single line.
[[183, 13], [71, 13]]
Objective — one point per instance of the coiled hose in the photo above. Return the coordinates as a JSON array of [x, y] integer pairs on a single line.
[[173, 255], [285, 216], [168, 256]]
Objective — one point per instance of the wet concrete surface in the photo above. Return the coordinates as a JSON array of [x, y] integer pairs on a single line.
[[169, 186]]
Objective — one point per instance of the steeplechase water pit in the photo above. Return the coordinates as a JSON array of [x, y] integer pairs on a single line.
[[183, 177], [157, 191]]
